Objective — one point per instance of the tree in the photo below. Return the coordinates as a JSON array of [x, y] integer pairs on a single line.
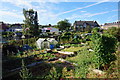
[[36, 30], [113, 31], [65, 37], [31, 22], [64, 24]]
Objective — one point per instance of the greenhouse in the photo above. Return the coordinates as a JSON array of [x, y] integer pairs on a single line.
[[46, 43]]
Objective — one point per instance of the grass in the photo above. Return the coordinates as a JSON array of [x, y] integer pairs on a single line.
[[76, 48], [72, 49], [84, 55], [73, 45], [81, 52]]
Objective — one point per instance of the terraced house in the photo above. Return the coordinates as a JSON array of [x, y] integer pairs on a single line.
[[108, 25], [84, 25]]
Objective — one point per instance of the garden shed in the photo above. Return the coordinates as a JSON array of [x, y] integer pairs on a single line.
[[46, 43]]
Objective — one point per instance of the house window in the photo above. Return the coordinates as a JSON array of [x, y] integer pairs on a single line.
[[77, 26], [84, 25], [47, 30]]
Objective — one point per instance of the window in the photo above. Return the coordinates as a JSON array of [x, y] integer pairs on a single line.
[[81, 26], [47, 30]]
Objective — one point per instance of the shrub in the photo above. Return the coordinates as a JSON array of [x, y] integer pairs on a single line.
[[59, 74], [83, 61], [24, 72], [18, 43], [104, 46], [53, 75], [66, 73], [113, 31], [66, 37], [76, 40], [96, 29]]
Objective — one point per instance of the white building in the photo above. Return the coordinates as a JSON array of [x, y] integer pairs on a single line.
[[43, 43], [15, 27], [50, 29]]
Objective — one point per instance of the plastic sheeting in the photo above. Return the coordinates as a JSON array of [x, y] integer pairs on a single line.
[[48, 43]]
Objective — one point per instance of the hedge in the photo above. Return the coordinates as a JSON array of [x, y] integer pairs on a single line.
[[21, 42]]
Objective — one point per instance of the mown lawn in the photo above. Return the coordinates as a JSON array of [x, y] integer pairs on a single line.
[[82, 54], [72, 49]]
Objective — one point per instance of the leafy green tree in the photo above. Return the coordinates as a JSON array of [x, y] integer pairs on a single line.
[[113, 31], [66, 37], [36, 29], [31, 22], [64, 24]]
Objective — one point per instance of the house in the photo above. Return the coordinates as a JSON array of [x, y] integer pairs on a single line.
[[43, 43], [50, 29], [113, 24], [15, 28], [82, 25], [3, 27]]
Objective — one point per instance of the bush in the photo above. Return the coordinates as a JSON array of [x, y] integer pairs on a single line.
[[7, 34], [83, 62], [104, 46], [18, 43], [53, 75], [23, 41], [24, 72], [59, 74], [66, 37], [77, 40], [66, 73], [113, 31], [96, 29]]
